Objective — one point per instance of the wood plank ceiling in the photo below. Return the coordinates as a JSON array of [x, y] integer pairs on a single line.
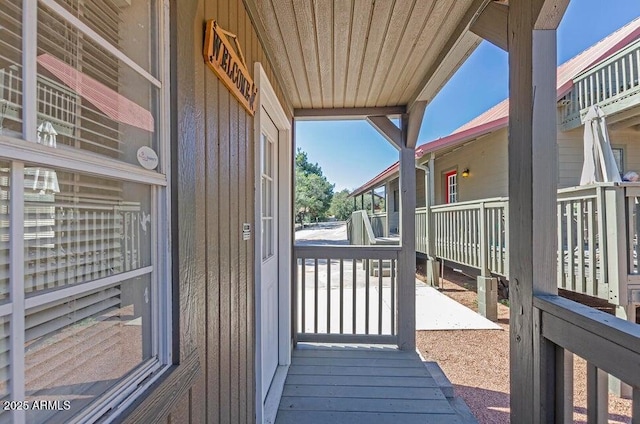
[[364, 53]]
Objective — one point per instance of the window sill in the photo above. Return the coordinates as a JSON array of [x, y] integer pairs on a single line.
[[158, 401]]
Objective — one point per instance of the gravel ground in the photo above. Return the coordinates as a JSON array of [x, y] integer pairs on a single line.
[[477, 362]]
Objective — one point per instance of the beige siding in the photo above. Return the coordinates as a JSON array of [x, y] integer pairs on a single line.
[[420, 194], [213, 173], [571, 153], [486, 159], [394, 210]]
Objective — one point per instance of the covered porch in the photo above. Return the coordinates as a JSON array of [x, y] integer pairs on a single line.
[[356, 84]]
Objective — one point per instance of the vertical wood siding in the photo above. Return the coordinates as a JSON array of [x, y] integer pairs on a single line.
[[214, 183]]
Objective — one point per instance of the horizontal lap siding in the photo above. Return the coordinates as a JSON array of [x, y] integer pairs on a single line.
[[571, 153], [486, 160], [213, 172]]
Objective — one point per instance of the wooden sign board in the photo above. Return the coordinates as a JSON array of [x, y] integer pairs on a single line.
[[229, 66]]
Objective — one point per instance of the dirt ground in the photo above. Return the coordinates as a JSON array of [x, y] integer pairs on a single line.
[[477, 362]]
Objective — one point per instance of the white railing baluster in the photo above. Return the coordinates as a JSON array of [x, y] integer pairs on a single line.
[[372, 318]]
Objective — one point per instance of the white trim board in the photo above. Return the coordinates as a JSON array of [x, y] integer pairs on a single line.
[[268, 100]]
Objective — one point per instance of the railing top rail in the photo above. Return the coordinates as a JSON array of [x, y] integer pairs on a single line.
[[616, 330], [346, 252], [604, 340], [379, 214], [493, 201], [631, 47]]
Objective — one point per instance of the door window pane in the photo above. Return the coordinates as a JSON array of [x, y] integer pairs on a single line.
[[80, 228], [11, 67], [267, 204], [79, 347]]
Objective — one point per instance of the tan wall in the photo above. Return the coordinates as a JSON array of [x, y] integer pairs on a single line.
[[571, 153], [213, 175], [486, 159]]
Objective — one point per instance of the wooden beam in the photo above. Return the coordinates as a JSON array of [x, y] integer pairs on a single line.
[[491, 24], [550, 14], [407, 256], [416, 114], [532, 216], [347, 112], [387, 129]]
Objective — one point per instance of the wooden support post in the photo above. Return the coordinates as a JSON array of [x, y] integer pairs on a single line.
[[433, 265], [373, 202], [532, 203], [407, 256], [387, 211], [487, 285]]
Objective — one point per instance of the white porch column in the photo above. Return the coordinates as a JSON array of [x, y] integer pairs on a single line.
[[532, 204]]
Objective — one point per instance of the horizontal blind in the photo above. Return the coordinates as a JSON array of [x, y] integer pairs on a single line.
[[11, 67]]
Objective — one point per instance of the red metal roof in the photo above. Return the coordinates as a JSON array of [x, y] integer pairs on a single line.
[[498, 116]]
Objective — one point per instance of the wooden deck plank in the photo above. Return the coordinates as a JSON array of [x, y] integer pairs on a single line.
[[380, 371], [291, 390], [361, 384], [355, 354], [350, 362], [426, 406], [346, 380], [323, 417]]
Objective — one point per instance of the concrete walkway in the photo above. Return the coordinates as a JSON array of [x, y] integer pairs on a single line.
[[434, 310]]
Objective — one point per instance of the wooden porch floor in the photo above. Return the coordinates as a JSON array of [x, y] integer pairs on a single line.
[[362, 384]]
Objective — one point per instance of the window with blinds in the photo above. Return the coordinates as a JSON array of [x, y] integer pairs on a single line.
[[11, 67], [80, 243]]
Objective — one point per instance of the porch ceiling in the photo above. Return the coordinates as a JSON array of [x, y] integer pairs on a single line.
[[364, 53]]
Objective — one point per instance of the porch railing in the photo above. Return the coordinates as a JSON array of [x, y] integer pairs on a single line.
[[339, 300], [359, 229], [614, 85], [379, 224], [608, 344], [421, 230], [598, 234], [473, 234]]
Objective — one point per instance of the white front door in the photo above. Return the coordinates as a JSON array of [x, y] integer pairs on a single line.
[[269, 250]]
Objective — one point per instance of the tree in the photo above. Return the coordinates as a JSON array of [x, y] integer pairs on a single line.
[[313, 192], [342, 205]]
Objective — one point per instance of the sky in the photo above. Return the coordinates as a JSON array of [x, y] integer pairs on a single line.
[[352, 152]]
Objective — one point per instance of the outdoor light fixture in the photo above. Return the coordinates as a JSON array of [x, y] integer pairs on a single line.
[[465, 173]]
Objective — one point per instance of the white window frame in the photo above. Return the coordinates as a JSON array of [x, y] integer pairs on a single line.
[[17, 151], [451, 188]]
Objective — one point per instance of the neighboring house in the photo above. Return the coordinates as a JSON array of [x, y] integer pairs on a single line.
[[147, 266], [469, 168]]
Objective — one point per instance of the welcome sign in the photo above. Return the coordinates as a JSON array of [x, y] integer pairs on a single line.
[[229, 65]]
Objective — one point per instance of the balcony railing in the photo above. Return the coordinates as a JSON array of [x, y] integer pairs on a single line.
[[614, 85]]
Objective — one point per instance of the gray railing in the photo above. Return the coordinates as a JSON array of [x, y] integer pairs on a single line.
[[359, 229], [473, 234], [421, 230], [597, 238], [614, 85], [379, 224], [608, 344], [338, 299]]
